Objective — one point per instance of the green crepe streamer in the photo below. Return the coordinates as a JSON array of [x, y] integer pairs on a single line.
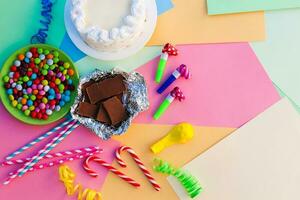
[[188, 181]]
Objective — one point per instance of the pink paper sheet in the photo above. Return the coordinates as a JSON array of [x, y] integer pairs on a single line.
[[228, 86], [44, 184]]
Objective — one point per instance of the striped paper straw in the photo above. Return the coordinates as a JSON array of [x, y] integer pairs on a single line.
[[62, 135], [60, 161], [80, 151], [37, 140]]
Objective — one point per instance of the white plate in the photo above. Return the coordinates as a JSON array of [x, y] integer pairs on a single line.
[[122, 53]]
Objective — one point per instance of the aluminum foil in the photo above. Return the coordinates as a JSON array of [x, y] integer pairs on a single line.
[[135, 100]]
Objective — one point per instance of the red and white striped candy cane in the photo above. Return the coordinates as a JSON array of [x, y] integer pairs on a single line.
[[139, 163], [107, 166]]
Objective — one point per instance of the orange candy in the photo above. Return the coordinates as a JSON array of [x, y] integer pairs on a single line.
[[21, 56], [49, 56], [70, 72], [23, 101], [35, 92]]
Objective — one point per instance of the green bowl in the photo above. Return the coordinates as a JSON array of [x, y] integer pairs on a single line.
[[18, 113]]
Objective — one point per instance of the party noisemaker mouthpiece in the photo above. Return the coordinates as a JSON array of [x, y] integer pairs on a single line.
[[168, 50], [176, 93], [181, 71]]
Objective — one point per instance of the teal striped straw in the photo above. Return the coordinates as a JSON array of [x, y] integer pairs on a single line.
[[40, 155], [58, 139], [37, 140]]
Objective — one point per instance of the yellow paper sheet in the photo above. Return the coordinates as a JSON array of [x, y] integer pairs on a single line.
[[140, 137], [189, 23]]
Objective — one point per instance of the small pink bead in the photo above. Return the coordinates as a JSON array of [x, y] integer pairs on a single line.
[[42, 92], [58, 96], [29, 90], [40, 87], [34, 87], [11, 81], [37, 109], [62, 78], [42, 106], [24, 108], [47, 106]]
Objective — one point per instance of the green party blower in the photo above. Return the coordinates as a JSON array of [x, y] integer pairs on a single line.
[[176, 93], [167, 51]]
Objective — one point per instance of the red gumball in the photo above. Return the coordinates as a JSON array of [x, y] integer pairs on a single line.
[[33, 114], [16, 75], [13, 68], [31, 65], [29, 73], [33, 50], [39, 115], [45, 116]]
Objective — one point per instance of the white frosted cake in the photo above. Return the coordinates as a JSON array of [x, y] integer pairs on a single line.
[[109, 25]]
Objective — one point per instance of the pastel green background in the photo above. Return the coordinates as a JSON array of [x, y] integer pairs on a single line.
[[279, 54], [236, 6], [21, 21]]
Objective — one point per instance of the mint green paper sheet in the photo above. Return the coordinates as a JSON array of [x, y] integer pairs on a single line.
[[280, 53], [20, 20], [88, 64], [216, 7]]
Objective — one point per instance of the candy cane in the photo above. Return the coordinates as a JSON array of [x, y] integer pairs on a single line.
[[139, 163], [54, 155], [109, 167]]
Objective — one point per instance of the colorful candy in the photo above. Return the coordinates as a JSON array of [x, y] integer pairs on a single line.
[[176, 93], [181, 71], [37, 78], [167, 51]]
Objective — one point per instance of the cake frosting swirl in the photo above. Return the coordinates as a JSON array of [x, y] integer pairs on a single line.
[[100, 38]]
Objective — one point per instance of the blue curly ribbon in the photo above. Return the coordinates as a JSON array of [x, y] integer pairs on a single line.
[[41, 35]]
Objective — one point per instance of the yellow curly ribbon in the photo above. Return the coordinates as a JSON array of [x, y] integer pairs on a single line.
[[67, 176]]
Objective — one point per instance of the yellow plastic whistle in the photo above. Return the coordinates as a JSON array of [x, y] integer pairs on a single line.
[[179, 134]]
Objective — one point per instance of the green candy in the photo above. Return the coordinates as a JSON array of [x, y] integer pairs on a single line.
[[40, 50], [37, 60], [27, 112], [6, 79], [26, 96], [44, 72], [52, 67], [55, 60], [61, 68], [25, 78], [61, 87], [46, 66], [46, 51], [33, 97], [19, 106], [67, 65], [56, 54], [67, 76]]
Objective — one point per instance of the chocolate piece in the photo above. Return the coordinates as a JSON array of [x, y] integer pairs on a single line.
[[106, 89], [83, 89], [102, 115], [87, 110], [115, 110], [92, 93]]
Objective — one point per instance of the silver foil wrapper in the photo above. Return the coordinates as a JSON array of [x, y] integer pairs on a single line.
[[135, 100]]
